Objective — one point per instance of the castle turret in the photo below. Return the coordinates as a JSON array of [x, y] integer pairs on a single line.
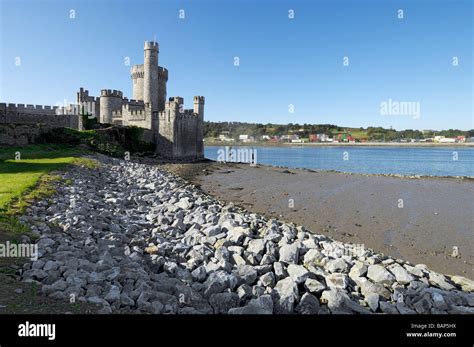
[[162, 80], [199, 105], [110, 101], [137, 74], [199, 110], [150, 74]]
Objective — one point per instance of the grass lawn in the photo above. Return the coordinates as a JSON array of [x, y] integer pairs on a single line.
[[25, 176]]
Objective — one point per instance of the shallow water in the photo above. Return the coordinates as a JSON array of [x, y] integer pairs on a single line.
[[431, 161]]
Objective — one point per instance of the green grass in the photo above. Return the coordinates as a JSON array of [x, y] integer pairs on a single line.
[[29, 177]]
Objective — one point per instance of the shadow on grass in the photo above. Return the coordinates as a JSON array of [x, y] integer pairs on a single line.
[[41, 151], [18, 166]]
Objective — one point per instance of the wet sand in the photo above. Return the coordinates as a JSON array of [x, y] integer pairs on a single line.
[[419, 220]]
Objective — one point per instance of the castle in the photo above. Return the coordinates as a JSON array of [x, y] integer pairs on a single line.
[[176, 132]]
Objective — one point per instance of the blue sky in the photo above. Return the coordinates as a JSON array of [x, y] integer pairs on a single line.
[[282, 61]]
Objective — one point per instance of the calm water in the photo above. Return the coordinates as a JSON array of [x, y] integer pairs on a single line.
[[436, 161]]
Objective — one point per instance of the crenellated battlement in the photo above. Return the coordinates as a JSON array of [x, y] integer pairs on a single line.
[[28, 107], [162, 73], [199, 99], [137, 71], [111, 93], [151, 45]]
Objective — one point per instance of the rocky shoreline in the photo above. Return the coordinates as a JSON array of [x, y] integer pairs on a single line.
[[133, 238]]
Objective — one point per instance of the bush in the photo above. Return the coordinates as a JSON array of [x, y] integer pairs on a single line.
[[64, 136]]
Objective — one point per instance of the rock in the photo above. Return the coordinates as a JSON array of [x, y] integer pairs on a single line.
[[267, 259], [199, 274], [279, 270], [260, 305], [223, 302], [372, 300], [337, 281], [218, 281], [314, 258], [244, 292], [440, 281], [267, 280], [157, 307], [337, 265], [414, 270], [59, 285], [298, 273], [340, 303], [50, 266], [247, 274], [403, 309], [45, 242], [314, 286], [256, 246], [96, 278], [465, 283], [37, 265], [308, 304], [439, 302], [125, 300], [401, 275], [367, 287], [388, 308], [113, 294], [357, 270], [152, 249], [379, 274], [238, 260], [212, 230], [289, 254], [236, 235], [286, 294], [95, 300], [423, 306]]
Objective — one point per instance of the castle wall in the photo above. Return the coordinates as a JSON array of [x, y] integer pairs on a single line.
[[20, 125], [178, 133], [140, 116]]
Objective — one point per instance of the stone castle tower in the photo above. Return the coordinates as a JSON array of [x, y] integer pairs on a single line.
[[177, 132]]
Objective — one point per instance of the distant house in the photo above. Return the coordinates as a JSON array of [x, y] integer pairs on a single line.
[[246, 138], [324, 138], [223, 137], [443, 139], [461, 139], [313, 138], [264, 137], [289, 137]]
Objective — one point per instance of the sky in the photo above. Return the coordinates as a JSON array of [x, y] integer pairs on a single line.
[[291, 70]]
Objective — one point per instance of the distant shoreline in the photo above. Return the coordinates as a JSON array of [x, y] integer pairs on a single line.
[[345, 144]]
